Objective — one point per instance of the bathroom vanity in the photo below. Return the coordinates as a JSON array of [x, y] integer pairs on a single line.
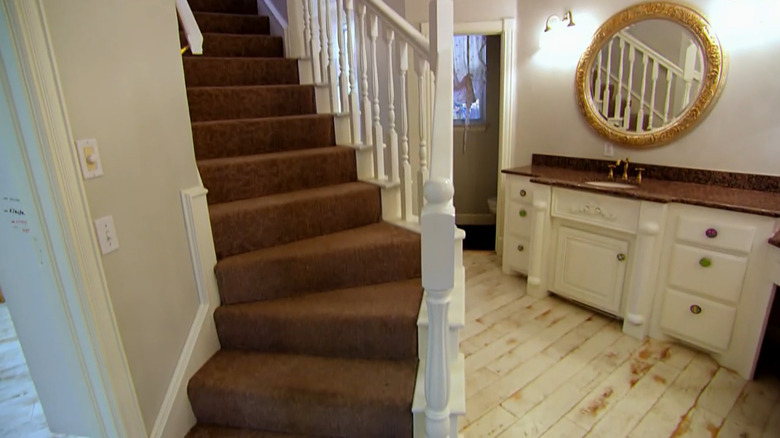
[[673, 259]]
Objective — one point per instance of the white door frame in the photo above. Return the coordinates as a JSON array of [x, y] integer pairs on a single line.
[[82, 293], [507, 29]]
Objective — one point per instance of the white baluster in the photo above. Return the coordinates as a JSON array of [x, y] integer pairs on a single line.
[[333, 83], [322, 18], [691, 54], [344, 71], [599, 72], [354, 108], [379, 143], [406, 166], [607, 93], [395, 174], [306, 29], [640, 116], [619, 98], [421, 66], [652, 96], [365, 102], [630, 89], [668, 100], [316, 69]]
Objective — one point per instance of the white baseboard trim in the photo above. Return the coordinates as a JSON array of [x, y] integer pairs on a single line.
[[175, 417]]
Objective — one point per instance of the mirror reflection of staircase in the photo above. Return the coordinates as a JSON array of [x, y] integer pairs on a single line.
[[320, 297]]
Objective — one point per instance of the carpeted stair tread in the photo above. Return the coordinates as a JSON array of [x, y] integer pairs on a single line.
[[226, 6], [208, 71], [220, 22], [243, 177], [252, 224], [305, 394], [377, 253], [230, 138], [236, 44], [200, 431], [221, 103], [370, 322]]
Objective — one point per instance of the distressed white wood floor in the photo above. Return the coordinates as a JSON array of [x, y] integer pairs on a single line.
[[548, 368], [20, 411]]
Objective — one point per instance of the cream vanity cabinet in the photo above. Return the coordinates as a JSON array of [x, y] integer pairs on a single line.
[[714, 292]]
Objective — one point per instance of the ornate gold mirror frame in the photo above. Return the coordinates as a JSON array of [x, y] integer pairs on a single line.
[[712, 79]]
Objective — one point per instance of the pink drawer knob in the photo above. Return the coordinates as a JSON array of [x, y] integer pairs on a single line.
[[711, 233]]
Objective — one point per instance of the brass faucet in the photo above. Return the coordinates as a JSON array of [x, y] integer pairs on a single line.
[[624, 162]]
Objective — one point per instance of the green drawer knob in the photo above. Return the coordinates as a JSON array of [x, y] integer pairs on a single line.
[[695, 309], [523, 193], [520, 248], [621, 257], [705, 262], [522, 213]]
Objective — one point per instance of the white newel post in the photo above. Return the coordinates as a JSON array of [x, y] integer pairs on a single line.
[[438, 227]]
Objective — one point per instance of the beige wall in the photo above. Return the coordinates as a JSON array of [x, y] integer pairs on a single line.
[[122, 79], [738, 135]]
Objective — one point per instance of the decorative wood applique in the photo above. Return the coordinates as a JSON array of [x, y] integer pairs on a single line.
[[592, 209]]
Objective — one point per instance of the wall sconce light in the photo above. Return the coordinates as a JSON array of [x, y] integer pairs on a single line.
[[553, 21]]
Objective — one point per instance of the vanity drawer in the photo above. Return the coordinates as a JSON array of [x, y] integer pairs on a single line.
[[520, 189], [519, 218], [698, 320], [710, 273], [591, 208], [719, 234], [516, 253]]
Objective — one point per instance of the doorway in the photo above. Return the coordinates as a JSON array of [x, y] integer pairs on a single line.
[[477, 65]]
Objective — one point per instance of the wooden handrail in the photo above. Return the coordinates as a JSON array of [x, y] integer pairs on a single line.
[[190, 26]]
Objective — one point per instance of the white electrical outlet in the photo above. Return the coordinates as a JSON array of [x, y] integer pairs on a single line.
[[106, 234], [609, 149]]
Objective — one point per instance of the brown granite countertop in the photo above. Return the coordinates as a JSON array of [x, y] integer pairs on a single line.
[[741, 200]]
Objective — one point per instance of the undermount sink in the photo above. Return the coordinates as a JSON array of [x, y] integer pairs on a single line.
[[610, 184]]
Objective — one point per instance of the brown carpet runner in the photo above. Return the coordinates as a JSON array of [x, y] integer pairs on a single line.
[[319, 296]]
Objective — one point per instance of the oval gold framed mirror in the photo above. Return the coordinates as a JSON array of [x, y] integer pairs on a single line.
[[651, 73]]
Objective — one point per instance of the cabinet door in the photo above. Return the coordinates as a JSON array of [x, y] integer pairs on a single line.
[[590, 268]]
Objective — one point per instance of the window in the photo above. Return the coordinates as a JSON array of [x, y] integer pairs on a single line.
[[469, 78]]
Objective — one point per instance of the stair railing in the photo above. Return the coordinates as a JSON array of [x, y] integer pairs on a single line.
[[370, 96], [190, 26], [616, 64]]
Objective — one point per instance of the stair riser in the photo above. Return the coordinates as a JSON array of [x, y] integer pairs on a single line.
[[260, 280], [282, 222], [347, 336], [236, 24], [234, 138], [210, 72], [262, 177], [225, 6], [210, 104], [262, 46], [266, 413]]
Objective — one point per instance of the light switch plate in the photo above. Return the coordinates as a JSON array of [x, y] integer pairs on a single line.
[[609, 149], [106, 234], [89, 158]]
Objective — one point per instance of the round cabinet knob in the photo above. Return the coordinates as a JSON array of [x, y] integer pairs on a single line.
[[621, 257], [711, 233], [520, 248], [523, 193], [522, 213], [695, 309], [705, 262]]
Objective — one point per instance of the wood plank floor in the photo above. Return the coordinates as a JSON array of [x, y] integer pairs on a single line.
[[20, 412], [548, 368]]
